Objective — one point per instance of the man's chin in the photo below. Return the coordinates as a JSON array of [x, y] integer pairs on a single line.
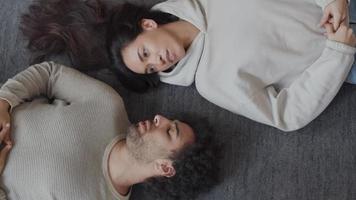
[[133, 136]]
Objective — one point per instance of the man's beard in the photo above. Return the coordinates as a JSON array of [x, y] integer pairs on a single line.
[[143, 150]]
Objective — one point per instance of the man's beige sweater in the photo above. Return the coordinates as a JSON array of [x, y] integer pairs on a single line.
[[62, 121]]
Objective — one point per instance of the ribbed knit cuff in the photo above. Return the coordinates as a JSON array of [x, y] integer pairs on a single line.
[[338, 46]]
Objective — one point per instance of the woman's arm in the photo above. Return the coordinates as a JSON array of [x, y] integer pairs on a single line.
[[53, 81], [294, 107]]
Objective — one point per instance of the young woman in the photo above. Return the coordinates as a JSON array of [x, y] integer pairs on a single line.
[[279, 63]]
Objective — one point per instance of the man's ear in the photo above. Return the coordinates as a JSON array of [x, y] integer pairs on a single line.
[[148, 24], [164, 167]]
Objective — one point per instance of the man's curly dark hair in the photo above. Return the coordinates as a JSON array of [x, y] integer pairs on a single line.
[[196, 167]]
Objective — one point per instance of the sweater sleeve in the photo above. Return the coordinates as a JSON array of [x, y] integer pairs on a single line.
[[294, 107], [53, 81]]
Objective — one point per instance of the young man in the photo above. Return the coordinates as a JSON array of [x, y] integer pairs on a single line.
[[69, 134]]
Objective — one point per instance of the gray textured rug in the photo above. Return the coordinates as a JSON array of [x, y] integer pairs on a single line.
[[260, 162]]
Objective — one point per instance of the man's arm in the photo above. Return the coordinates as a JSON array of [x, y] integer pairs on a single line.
[[53, 81]]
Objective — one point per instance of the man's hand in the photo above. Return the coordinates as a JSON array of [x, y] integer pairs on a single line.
[[7, 145], [5, 118], [335, 13], [344, 34]]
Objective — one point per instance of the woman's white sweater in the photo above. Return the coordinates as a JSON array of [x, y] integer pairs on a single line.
[[266, 60]]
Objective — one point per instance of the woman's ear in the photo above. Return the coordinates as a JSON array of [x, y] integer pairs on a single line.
[[148, 24], [164, 167]]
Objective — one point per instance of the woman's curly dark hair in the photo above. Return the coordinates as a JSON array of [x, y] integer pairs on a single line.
[[92, 33], [196, 166], [73, 27]]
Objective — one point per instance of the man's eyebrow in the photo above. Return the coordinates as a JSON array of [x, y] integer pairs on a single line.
[[177, 129]]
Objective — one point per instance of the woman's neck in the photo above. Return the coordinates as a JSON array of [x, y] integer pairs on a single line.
[[184, 31]]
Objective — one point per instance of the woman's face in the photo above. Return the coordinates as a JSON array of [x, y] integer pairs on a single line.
[[156, 49]]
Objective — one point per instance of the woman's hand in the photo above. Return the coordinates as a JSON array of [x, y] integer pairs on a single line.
[[344, 34], [6, 146], [335, 13]]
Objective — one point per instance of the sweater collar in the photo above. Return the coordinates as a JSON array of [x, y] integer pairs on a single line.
[[105, 169], [183, 73], [190, 11], [193, 12]]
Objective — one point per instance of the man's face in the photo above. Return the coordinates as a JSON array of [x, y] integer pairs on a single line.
[[158, 139]]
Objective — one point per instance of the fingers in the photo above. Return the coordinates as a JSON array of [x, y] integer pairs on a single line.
[[7, 138], [344, 34], [4, 132], [329, 29], [3, 156], [337, 20], [341, 33], [343, 29], [4, 152], [324, 19]]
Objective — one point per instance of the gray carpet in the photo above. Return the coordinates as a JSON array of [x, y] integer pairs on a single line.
[[317, 162]]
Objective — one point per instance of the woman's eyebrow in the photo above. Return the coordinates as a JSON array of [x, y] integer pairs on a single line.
[[139, 55], [141, 59]]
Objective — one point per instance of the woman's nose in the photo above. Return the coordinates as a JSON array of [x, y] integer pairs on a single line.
[[162, 60], [158, 60]]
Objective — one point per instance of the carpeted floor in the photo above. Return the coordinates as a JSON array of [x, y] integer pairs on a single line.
[[317, 162]]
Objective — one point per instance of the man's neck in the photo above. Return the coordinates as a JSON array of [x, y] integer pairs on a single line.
[[124, 171]]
